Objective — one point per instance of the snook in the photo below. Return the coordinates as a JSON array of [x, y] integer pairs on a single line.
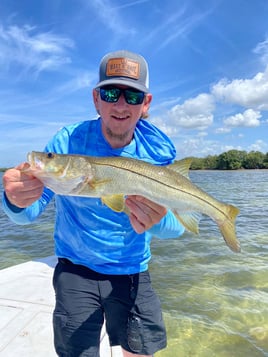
[[113, 178]]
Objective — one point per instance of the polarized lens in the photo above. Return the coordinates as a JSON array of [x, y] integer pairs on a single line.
[[112, 94], [133, 97]]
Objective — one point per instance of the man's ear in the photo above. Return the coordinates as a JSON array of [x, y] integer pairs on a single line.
[[146, 105], [95, 95]]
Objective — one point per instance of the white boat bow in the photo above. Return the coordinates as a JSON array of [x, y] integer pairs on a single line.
[[26, 305]]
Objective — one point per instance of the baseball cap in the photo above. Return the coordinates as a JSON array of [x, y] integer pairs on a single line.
[[126, 68]]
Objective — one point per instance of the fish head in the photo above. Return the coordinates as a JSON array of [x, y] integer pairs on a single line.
[[63, 174], [60, 165], [47, 163]]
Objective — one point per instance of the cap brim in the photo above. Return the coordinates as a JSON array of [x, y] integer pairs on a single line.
[[123, 81]]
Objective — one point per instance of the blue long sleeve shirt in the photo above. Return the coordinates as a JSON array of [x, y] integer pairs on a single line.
[[88, 232]]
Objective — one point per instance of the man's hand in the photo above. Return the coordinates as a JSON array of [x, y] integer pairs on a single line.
[[21, 189], [144, 213]]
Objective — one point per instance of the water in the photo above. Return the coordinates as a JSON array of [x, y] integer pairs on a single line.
[[215, 302], [22, 243]]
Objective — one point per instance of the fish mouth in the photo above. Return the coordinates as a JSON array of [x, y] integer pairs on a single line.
[[34, 162], [30, 158]]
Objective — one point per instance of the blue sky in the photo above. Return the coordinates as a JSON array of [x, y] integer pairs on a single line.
[[208, 65]]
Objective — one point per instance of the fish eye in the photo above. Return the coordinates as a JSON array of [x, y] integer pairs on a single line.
[[50, 155]]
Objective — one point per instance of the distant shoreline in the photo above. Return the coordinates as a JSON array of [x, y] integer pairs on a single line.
[[232, 160], [4, 169]]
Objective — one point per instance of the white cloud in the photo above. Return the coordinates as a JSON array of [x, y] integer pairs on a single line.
[[164, 124], [259, 145], [262, 50], [81, 80], [250, 118], [133, 3], [31, 50], [202, 134], [111, 16], [200, 147], [222, 130], [194, 113], [245, 92], [182, 27]]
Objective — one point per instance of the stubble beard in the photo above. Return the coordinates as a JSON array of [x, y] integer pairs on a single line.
[[120, 138]]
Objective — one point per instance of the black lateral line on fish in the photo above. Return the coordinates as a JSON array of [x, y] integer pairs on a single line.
[[158, 181]]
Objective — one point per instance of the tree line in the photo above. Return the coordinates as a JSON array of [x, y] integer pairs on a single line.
[[232, 160], [229, 160]]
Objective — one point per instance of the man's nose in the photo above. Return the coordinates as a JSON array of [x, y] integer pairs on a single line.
[[121, 100]]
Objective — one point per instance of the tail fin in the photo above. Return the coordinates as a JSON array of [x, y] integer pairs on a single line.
[[227, 229]]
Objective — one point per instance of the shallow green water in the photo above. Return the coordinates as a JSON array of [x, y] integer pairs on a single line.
[[215, 302]]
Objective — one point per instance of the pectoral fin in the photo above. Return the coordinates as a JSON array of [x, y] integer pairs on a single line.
[[87, 184], [94, 184], [115, 202], [189, 220]]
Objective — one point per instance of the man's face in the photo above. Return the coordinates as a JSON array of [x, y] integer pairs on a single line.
[[119, 118]]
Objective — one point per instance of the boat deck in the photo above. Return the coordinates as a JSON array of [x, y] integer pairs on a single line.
[[26, 305]]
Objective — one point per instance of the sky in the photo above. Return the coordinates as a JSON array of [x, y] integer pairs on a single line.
[[208, 64]]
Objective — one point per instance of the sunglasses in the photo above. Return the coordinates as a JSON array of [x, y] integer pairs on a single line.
[[111, 94]]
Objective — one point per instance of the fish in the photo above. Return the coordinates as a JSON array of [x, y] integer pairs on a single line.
[[112, 179]]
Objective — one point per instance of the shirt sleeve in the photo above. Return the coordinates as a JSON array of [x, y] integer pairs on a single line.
[[27, 215], [168, 227]]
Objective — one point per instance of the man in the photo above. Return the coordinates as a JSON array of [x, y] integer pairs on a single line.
[[104, 255]]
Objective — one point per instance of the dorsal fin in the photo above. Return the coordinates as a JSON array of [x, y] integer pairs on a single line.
[[182, 166]]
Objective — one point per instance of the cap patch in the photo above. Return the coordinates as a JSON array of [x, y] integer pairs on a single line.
[[123, 67]]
